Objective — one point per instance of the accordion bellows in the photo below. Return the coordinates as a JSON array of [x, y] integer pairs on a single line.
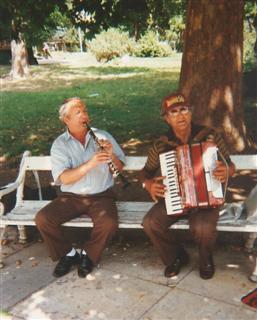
[[189, 180]]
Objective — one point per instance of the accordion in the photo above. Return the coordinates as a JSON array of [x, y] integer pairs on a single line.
[[188, 177]]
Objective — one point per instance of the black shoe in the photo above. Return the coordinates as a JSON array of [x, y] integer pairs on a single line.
[[65, 264], [207, 270], [85, 266], [173, 269]]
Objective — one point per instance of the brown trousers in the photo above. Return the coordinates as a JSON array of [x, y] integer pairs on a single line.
[[202, 223], [101, 208]]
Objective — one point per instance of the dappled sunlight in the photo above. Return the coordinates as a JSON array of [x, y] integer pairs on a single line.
[[233, 266], [45, 80], [240, 185], [33, 137], [237, 53], [33, 310], [214, 99], [66, 73], [228, 97], [218, 41], [233, 133]]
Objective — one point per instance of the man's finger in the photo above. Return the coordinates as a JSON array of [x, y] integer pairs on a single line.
[[154, 198], [160, 194], [159, 178]]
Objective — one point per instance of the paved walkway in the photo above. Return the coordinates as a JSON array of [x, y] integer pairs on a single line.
[[129, 284]]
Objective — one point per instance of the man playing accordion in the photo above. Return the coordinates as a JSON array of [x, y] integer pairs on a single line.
[[178, 115]]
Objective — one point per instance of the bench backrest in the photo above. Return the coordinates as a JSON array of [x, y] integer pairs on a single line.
[[242, 162], [133, 163], [44, 163]]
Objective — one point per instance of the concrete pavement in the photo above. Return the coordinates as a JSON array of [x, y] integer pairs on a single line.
[[129, 284]]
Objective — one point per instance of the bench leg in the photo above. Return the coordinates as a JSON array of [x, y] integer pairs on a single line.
[[253, 276], [1, 252], [250, 242], [22, 234], [249, 248]]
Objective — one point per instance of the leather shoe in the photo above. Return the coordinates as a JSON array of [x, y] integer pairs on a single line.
[[207, 270], [65, 264], [85, 266], [173, 269]]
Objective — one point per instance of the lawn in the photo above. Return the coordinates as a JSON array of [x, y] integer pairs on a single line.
[[122, 100]]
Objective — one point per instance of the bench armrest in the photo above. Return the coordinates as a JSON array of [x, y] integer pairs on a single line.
[[19, 182], [8, 188]]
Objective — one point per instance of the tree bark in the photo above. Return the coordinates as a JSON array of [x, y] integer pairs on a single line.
[[20, 67], [211, 73], [32, 60]]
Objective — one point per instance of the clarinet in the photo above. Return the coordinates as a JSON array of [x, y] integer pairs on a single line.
[[114, 170]]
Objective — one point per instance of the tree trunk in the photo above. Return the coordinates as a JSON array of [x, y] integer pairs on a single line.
[[31, 58], [211, 73], [20, 67]]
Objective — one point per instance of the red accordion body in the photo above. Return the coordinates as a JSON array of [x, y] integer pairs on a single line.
[[189, 180]]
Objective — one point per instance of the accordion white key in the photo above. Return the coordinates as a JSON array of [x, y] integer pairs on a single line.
[[189, 180]]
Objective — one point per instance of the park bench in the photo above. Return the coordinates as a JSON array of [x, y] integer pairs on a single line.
[[131, 213]]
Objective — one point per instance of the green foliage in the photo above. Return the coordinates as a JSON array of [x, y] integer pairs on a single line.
[[111, 44], [249, 57], [149, 46], [174, 34], [31, 18], [135, 15], [162, 13]]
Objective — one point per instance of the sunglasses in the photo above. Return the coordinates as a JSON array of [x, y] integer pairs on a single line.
[[175, 112]]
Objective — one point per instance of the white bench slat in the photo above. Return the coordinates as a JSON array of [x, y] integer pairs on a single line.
[[38, 163], [31, 206], [245, 162], [130, 216], [242, 162]]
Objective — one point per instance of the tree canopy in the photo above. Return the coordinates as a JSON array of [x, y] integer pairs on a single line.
[[28, 18], [135, 15]]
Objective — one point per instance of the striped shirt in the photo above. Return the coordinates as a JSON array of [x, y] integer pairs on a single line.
[[170, 142]]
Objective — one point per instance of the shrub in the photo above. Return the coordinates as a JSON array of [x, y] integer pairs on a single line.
[[111, 44], [149, 46], [174, 34]]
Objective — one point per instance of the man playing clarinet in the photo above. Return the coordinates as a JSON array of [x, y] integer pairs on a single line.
[[177, 113], [82, 169]]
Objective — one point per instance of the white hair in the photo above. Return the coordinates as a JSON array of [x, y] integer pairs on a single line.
[[67, 104]]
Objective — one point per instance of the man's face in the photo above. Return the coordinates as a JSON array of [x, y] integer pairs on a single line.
[[179, 118], [77, 117]]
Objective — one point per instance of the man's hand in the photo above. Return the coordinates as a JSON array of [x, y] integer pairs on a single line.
[[107, 146], [155, 187], [99, 158], [220, 172]]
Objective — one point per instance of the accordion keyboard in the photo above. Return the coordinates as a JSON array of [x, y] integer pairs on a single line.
[[168, 168]]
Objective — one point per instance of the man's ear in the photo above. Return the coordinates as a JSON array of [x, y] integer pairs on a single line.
[[165, 118], [66, 119]]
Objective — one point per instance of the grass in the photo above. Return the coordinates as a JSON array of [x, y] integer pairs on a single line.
[[123, 101]]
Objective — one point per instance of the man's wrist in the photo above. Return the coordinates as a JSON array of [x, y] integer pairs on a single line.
[[145, 184]]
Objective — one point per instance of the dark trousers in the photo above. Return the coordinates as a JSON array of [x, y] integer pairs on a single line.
[[202, 223], [101, 208]]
